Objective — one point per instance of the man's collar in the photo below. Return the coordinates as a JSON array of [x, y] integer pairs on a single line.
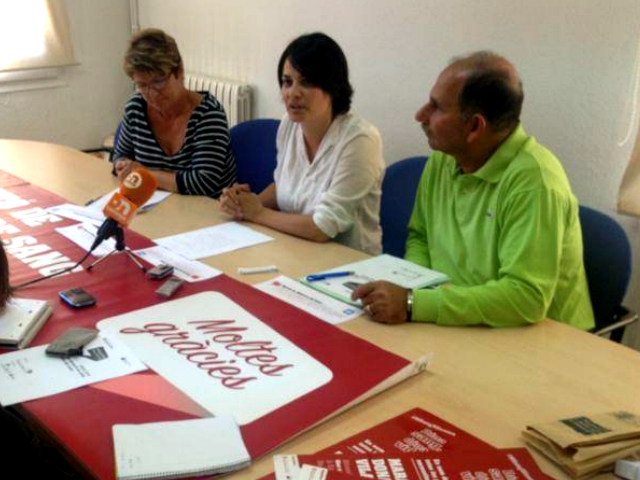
[[492, 170]]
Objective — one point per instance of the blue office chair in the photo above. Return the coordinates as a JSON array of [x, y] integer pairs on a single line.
[[108, 150], [398, 195], [607, 261], [254, 146]]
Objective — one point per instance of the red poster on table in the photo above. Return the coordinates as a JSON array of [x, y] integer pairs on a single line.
[[81, 420]]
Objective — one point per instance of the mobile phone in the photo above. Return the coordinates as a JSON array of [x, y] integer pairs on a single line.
[[77, 297], [71, 342], [159, 272], [169, 287]]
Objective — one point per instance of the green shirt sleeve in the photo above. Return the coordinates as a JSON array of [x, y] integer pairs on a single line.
[[529, 249]]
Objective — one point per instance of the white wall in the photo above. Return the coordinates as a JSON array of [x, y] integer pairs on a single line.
[[576, 59], [89, 107]]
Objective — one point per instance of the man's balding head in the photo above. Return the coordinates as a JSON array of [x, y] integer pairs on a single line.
[[491, 87]]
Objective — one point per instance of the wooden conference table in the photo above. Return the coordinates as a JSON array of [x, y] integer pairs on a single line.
[[489, 382]]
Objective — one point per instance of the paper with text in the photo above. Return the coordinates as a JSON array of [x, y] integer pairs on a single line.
[[83, 235], [29, 374], [215, 240], [184, 268], [383, 267], [305, 298]]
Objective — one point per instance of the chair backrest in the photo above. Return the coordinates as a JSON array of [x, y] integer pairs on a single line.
[[607, 261], [254, 147], [398, 195]]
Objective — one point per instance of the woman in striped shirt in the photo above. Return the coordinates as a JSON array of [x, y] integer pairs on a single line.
[[180, 135]]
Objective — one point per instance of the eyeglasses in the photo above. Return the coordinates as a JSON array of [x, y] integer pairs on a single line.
[[156, 85]]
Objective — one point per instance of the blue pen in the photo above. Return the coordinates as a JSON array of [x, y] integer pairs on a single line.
[[324, 276]]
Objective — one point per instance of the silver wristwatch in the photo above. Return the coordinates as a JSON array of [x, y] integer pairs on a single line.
[[409, 304]]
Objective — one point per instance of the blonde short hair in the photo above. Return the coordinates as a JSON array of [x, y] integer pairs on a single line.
[[152, 51]]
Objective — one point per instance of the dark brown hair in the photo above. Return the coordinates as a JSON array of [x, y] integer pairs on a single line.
[[5, 288]]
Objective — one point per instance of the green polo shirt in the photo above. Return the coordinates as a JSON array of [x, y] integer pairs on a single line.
[[508, 236]]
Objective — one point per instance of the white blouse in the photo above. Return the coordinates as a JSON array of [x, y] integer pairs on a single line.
[[341, 189]]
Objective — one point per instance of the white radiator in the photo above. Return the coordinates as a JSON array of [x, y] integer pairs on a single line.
[[235, 97]]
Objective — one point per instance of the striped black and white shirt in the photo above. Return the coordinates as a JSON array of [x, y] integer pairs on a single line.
[[204, 165]]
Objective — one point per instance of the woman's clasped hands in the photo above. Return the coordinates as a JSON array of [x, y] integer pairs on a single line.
[[240, 202]]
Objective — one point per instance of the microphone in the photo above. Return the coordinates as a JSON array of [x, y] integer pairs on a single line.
[[135, 190]]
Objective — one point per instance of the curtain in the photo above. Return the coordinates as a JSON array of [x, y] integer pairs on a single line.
[[629, 195], [34, 34]]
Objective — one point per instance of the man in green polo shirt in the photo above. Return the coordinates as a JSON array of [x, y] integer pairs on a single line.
[[494, 211]]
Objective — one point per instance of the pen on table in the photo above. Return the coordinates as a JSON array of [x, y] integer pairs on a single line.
[[323, 276], [92, 200]]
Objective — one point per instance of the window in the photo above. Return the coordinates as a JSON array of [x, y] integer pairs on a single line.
[[34, 43]]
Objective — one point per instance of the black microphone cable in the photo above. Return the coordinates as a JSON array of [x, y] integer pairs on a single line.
[[55, 274]]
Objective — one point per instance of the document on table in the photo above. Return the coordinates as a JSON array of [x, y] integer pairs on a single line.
[[31, 373], [305, 298], [215, 240], [83, 235], [184, 268], [98, 204], [78, 213], [202, 446], [92, 213], [383, 267]]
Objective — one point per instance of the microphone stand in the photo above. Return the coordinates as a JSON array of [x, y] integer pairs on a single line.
[[120, 247]]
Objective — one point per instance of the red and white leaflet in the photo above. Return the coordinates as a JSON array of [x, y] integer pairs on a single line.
[[415, 431], [509, 464]]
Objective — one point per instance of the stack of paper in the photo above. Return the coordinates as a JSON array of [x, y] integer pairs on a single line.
[[585, 445], [21, 319], [203, 446], [415, 445]]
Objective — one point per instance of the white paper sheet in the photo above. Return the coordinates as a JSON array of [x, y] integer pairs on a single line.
[[83, 235], [78, 213], [213, 240], [184, 268], [29, 374], [305, 298]]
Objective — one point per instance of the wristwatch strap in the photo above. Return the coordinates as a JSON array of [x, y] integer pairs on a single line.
[[409, 304]]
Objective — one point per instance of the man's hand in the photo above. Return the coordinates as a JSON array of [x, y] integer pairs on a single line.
[[229, 201], [383, 301]]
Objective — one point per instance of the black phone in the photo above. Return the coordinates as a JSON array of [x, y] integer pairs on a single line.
[[77, 297], [159, 272]]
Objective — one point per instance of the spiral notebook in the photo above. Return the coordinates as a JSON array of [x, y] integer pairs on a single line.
[[21, 319], [184, 448]]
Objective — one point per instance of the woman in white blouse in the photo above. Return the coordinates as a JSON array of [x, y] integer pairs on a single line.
[[329, 165]]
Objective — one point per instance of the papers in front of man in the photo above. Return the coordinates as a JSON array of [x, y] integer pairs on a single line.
[[215, 240], [586, 444], [21, 319], [311, 301], [185, 448], [383, 267], [29, 374]]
